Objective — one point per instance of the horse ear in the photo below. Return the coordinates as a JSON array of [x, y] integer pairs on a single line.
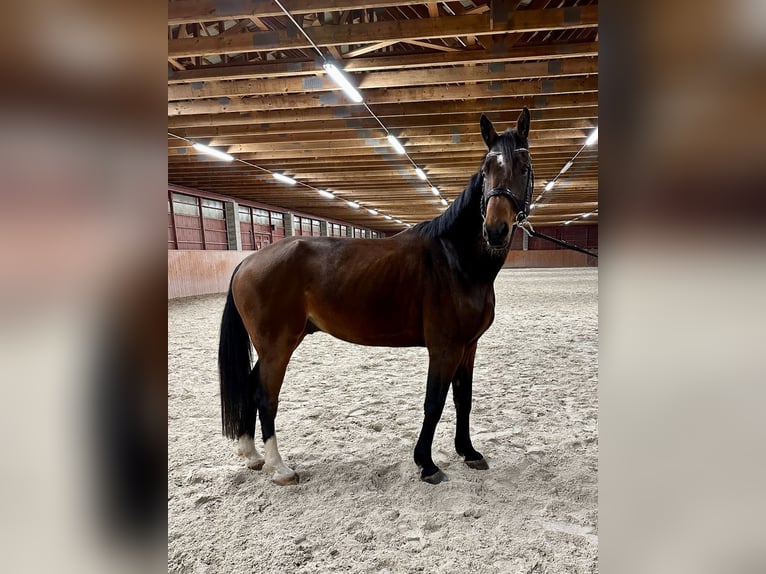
[[487, 131], [522, 124]]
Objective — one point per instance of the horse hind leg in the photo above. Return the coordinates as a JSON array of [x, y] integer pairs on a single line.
[[245, 442], [271, 376]]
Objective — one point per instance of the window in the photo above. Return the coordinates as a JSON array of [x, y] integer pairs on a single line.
[[212, 209], [244, 215], [185, 205], [260, 217], [315, 227], [277, 220]]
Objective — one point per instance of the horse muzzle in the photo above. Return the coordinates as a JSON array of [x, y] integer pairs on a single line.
[[496, 236]]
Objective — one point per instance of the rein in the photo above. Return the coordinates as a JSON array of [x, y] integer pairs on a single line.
[[522, 211]]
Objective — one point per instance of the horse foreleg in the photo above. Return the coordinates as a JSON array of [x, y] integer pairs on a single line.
[[441, 369], [462, 386]]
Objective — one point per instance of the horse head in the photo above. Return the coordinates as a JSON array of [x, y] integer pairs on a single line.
[[508, 179]]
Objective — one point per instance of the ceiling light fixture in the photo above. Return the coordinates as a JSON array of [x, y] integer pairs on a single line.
[[284, 178], [342, 82], [212, 151], [395, 144]]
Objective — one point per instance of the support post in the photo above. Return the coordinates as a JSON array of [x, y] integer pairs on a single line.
[[233, 235], [289, 220]]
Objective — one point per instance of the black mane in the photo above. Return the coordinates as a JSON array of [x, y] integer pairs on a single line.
[[460, 218]]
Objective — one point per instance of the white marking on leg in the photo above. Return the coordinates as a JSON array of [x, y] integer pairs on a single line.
[[283, 474], [246, 449]]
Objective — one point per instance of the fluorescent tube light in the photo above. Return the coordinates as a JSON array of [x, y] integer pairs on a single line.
[[372, 212], [434, 190], [342, 82], [212, 151], [284, 178], [549, 185], [388, 217], [395, 144], [325, 193], [353, 204], [420, 173], [444, 201], [566, 167], [593, 138]]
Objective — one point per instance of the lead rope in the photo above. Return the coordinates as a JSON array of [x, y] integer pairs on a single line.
[[527, 228]]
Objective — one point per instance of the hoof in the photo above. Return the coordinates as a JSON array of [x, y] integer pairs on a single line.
[[255, 463], [285, 479], [435, 478], [480, 464]]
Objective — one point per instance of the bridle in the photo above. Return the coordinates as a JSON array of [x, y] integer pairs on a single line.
[[521, 206]]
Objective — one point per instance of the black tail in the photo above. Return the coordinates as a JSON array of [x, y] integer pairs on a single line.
[[234, 358]]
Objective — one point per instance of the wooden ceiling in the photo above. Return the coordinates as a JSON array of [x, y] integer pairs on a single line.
[[242, 78]]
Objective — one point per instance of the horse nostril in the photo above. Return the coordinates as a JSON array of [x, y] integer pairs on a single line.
[[496, 236]]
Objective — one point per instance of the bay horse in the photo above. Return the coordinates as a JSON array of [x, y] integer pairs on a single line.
[[431, 286]]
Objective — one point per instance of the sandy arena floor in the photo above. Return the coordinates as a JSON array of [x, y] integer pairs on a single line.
[[348, 420]]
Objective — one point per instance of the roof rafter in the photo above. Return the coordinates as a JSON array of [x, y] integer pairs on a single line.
[[374, 32]]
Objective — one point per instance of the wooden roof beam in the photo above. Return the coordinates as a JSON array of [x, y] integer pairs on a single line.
[[479, 73], [561, 88], [369, 48], [464, 123], [188, 11], [373, 32], [280, 68], [405, 114], [431, 45]]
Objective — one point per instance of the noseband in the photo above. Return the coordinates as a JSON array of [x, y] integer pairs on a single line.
[[521, 206]]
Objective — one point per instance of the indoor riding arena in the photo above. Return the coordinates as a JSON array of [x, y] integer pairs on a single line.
[[393, 205]]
